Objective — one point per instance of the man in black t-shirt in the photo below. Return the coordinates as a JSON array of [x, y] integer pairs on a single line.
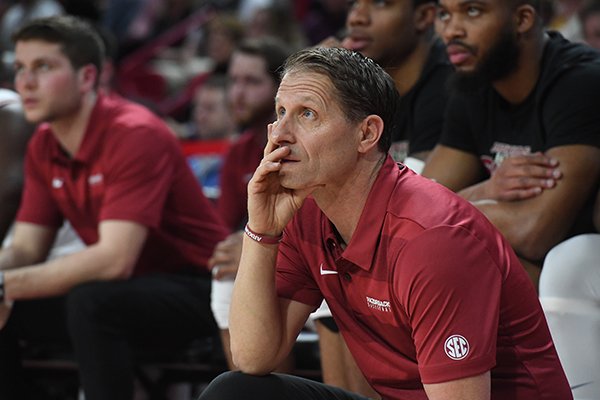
[[522, 130], [522, 127]]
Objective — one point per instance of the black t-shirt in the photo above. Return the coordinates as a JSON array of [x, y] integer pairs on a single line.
[[420, 113], [562, 109]]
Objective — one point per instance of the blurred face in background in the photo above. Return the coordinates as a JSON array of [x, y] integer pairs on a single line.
[[591, 30], [212, 115], [252, 90]]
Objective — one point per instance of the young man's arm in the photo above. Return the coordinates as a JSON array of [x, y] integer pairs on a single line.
[[112, 257]]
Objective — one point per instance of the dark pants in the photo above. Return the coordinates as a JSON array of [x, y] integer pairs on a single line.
[[239, 386], [105, 322]]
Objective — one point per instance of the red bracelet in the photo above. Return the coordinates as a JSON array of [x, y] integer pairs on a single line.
[[262, 238]]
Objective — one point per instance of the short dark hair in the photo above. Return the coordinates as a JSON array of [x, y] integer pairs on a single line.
[[270, 49], [362, 86], [80, 41]]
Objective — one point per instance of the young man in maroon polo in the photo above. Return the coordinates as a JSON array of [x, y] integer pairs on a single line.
[[116, 173], [431, 300]]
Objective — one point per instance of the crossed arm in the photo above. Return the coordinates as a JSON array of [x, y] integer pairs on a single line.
[[535, 199]]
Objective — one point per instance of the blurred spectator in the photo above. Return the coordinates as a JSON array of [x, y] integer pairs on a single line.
[[223, 34], [277, 21], [212, 119], [207, 136], [589, 17]]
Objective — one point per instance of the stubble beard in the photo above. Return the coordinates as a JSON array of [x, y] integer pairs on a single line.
[[501, 60]]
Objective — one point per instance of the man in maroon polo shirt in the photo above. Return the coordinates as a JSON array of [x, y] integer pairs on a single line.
[[431, 300], [116, 173]]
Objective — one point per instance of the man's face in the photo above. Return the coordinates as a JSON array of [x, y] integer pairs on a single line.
[[50, 88], [383, 30], [252, 90], [481, 41], [323, 144], [211, 113]]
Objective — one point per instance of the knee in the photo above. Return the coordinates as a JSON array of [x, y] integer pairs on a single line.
[[235, 385], [571, 269], [84, 305]]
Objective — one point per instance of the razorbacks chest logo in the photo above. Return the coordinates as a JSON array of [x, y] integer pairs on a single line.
[[456, 347], [379, 305], [501, 151]]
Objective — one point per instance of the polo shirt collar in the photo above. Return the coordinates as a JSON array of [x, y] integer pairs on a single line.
[[91, 138], [363, 245]]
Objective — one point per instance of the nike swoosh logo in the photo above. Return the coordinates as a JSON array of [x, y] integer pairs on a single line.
[[580, 385], [326, 271]]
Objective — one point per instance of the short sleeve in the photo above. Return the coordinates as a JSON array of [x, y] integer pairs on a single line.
[[450, 287], [37, 204], [570, 108], [294, 280]]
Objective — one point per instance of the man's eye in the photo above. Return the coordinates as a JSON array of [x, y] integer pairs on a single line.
[[308, 113], [443, 15], [473, 12]]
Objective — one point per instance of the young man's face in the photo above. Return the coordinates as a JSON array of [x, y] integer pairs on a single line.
[[323, 144], [252, 89], [49, 86], [382, 30], [480, 37]]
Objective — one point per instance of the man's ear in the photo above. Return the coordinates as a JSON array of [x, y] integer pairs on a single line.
[[88, 75], [525, 18], [371, 130], [424, 16]]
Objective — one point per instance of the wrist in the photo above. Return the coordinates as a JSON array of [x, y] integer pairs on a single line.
[[262, 238]]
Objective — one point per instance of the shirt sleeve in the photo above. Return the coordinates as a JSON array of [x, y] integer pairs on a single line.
[[37, 204], [451, 293], [571, 108], [139, 174], [294, 280]]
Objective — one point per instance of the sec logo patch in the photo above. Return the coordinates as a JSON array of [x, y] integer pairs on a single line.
[[456, 347]]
